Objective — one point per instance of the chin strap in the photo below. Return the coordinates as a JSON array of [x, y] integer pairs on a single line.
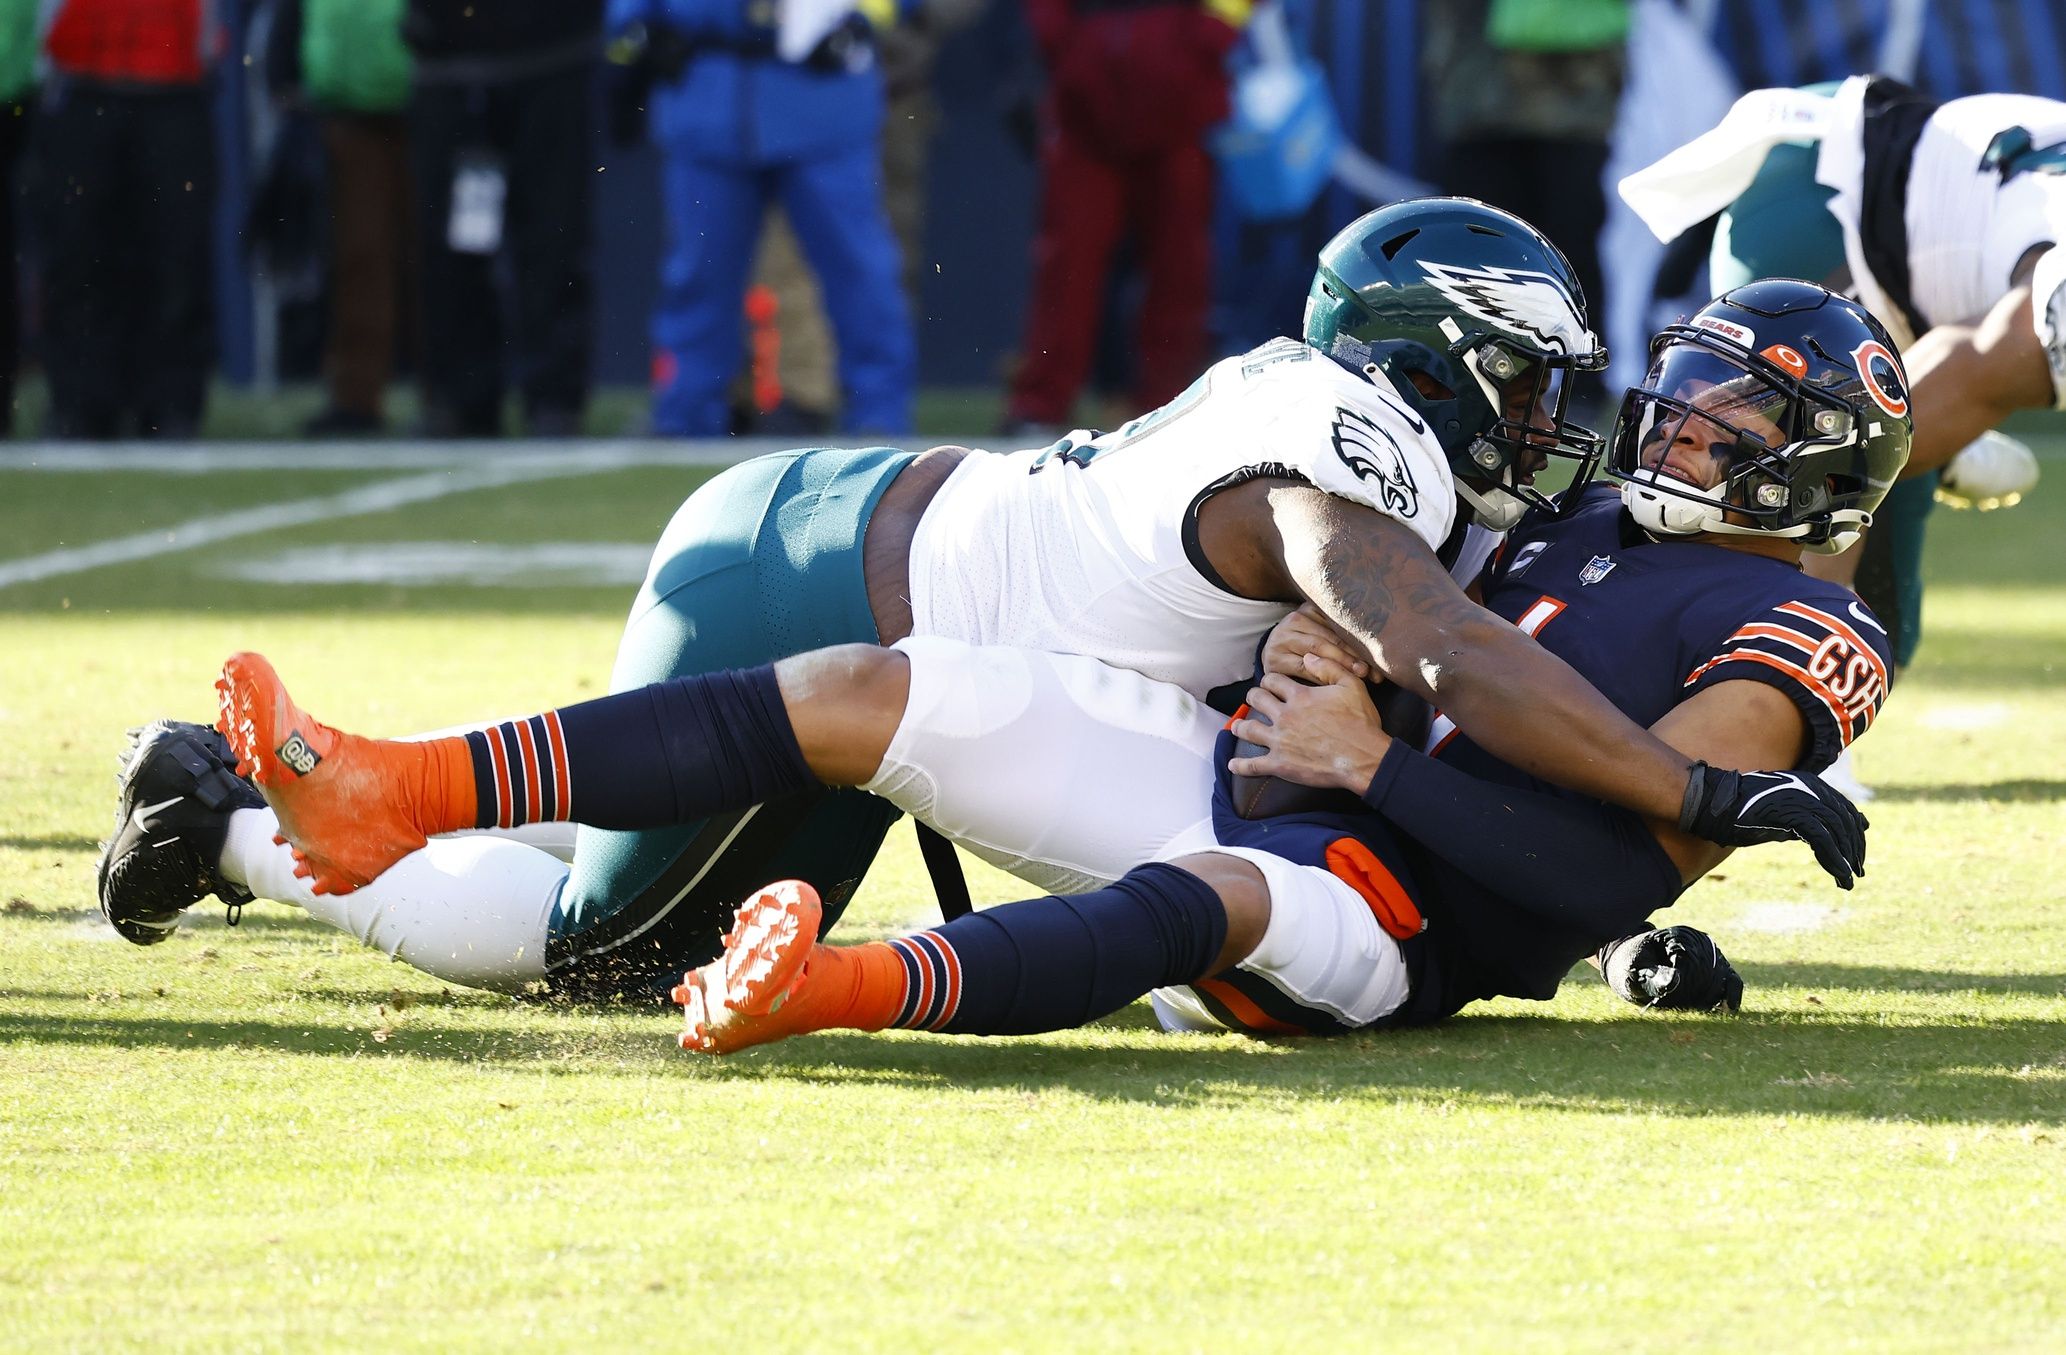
[[1496, 510], [1691, 512], [1678, 511]]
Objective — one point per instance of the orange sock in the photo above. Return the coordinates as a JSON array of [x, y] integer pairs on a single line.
[[438, 781], [850, 988]]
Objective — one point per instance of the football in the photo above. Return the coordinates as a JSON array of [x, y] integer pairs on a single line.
[[1267, 797], [1403, 715]]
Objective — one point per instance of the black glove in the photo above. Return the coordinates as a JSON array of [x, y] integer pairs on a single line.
[[1741, 809], [1678, 969]]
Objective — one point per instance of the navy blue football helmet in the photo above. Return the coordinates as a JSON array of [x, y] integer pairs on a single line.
[[1779, 409]]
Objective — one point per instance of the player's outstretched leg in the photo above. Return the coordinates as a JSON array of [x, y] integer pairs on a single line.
[[1017, 969], [170, 824], [473, 910], [352, 806], [672, 752]]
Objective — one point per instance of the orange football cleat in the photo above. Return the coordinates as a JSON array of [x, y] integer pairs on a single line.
[[759, 990], [350, 806]]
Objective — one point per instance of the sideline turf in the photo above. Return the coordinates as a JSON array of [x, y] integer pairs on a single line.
[[266, 1138]]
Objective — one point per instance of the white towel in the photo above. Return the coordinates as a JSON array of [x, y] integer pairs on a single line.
[[1711, 171]]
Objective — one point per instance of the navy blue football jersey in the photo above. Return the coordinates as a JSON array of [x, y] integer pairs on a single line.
[[1651, 623]]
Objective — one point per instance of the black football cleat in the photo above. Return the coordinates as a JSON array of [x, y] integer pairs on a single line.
[[179, 786]]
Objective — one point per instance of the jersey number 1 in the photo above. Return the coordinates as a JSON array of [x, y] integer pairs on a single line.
[[1540, 613]]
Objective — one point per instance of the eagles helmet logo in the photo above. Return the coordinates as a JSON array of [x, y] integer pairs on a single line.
[[1516, 300], [1372, 453]]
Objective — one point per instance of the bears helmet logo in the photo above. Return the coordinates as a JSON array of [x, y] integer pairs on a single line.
[[1883, 379]]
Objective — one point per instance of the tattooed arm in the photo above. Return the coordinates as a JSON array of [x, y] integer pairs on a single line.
[[1381, 584]]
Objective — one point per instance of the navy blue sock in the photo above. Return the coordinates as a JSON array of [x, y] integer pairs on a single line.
[[1055, 963], [673, 752]]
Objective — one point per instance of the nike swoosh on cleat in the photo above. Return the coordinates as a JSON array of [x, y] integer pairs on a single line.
[[141, 815]]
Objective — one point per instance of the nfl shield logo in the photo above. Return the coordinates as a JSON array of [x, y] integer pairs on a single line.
[[1597, 568]]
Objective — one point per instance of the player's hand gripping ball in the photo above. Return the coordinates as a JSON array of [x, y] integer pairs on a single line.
[[1309, 631], [1269, 797], [1306, 631]]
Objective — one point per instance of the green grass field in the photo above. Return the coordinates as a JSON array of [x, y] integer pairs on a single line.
[[266, 1138]]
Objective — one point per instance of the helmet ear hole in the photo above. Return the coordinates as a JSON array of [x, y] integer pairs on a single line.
[[1844, 486], [1428, 386]]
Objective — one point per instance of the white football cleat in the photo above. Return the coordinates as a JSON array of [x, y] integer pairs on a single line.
[[1994, 470], [1841, 777]]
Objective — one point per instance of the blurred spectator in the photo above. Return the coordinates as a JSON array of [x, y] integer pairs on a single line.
[[17, 82], [286, 234], [1134, 85], [125, 197], [739, 125], [347, 61], [806, 378], [499, 146], [909, 52], [1678, 86], [1524, 94]]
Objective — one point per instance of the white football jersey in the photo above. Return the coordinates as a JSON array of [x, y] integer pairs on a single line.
[[1089, 546], [1966, 227]]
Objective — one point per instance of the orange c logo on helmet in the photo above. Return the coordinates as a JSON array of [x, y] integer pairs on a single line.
[[1884, 381], [1788, 359]]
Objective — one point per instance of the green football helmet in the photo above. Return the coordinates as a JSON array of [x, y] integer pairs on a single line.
[[1477, 322]]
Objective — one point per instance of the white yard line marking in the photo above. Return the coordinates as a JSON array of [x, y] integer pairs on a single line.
[[474, 563], [208, 458], [1962, 717], [1785, 919], [378, 497], [450, 468]]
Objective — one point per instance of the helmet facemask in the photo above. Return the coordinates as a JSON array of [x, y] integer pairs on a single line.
[[1722, 440], [1530, 391], [1527, 393]]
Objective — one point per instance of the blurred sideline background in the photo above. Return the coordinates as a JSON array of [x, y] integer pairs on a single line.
[[970, 278]]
